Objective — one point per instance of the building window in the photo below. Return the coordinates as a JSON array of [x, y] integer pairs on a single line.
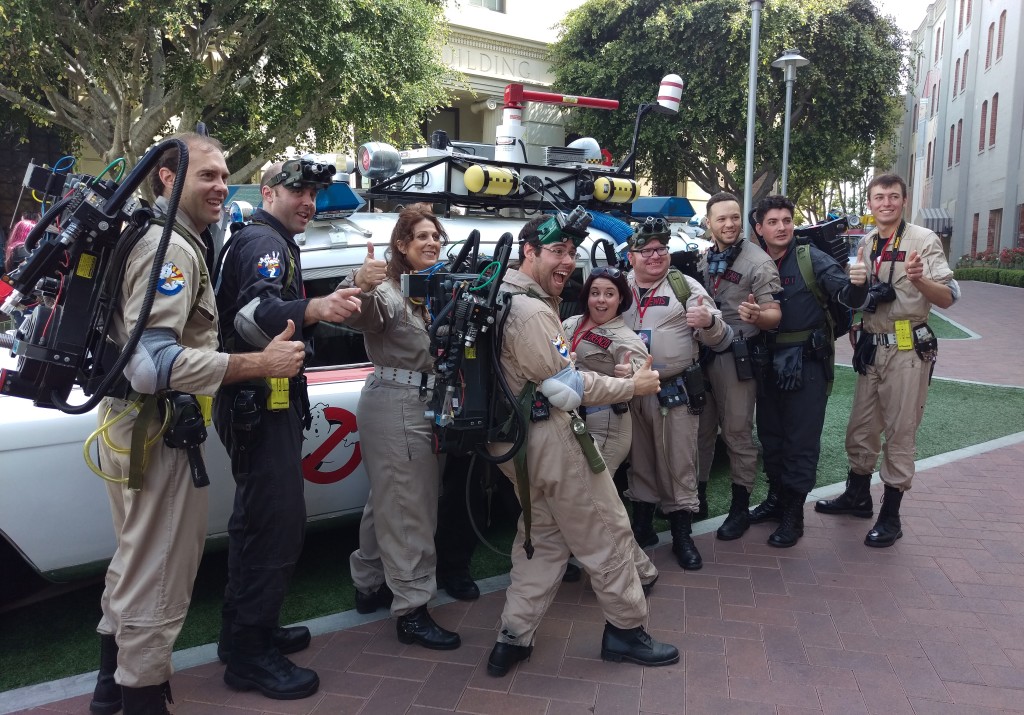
[[984, 121], [1020, 226], [956, 76], [1002, 32], [960, 23], [963, 77], [970, 6], [935, 154], [949, 158], [928, 163], [992, 121], [447, 120], [914, 123], [938, 39], [935, 99], [995, 222], [959, 136], [988, 46], [913, 163], [974, 236], [496, 5]]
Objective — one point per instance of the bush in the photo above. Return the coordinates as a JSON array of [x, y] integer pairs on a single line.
[[1006, 277], [1009, 258]]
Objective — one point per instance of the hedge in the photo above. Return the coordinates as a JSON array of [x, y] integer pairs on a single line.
[[1002, 276]]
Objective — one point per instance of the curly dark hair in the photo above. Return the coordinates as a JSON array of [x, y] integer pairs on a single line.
[[402, 233], [773, 202]]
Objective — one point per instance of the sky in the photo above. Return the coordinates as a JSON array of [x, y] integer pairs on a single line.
[[908, 13]]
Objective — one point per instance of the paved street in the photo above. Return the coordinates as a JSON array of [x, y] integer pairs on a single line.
[[933, 625]]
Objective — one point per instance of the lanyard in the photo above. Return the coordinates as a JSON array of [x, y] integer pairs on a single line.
[[641, 307], [578, 334], [898, 236]]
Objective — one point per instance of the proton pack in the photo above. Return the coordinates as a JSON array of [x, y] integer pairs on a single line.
[[463, 301], [73, 278]]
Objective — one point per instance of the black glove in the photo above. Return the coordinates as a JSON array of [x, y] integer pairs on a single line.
[[863, 353], [788, 363]]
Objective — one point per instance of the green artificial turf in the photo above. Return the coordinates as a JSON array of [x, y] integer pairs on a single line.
[[56, 638]]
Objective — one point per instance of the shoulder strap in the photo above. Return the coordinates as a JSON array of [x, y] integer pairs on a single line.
[[679, 285], [803, 260]]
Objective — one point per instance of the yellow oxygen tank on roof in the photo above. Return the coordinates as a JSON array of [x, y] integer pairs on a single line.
[[614, 190], [491, 180]]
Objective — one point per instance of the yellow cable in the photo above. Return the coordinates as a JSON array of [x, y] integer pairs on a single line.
[[104, 429]]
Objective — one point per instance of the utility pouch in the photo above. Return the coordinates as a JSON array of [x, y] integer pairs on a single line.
[[864, 352], [672, 393], [277, 395], [594, 459], [620, 408], [696, 389], [741, 358], [187, 431], [245, 418], [925, 343], [818, 345], [904, 335]]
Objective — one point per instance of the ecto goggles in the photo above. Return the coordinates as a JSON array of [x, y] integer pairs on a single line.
[[299, 173]]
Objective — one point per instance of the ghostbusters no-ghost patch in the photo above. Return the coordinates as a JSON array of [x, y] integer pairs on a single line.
[[269, 266], [172, 280], [560, 345]]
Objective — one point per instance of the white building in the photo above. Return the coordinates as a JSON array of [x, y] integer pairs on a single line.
[[960, 148]]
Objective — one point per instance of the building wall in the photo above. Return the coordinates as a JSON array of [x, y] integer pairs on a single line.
[[987, 180]]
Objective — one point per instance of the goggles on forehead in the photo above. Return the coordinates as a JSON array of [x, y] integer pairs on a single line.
[[301, 173], [565, 227], [654, 228]]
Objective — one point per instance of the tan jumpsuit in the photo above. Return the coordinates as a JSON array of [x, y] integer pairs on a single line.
[[890, 398], [396, 535], [572, 509], [161, 528], [663, 459], [731, 400]]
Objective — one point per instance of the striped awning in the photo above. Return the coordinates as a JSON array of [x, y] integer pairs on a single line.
[[935, 219]]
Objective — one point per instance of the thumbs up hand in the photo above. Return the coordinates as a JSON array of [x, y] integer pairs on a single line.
[[283, 356], [646, 380], [699, 316], [858, 269], [372, 273], [750, 310], [625, 368]]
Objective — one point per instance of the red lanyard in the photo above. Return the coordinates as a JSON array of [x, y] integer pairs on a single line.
[[641, 308], [878, 258], [578, 334]]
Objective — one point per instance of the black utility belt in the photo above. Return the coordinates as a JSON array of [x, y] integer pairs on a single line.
[[815, 342], [687, 388], [903, 337], [273, 393]]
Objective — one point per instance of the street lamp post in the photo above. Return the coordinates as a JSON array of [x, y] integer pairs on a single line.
[[789, 61], [755, 41]]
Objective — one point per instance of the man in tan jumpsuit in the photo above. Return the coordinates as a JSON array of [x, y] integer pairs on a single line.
[[161, 528], [572, 508], [663, 459], [894, 356], [743, 280]]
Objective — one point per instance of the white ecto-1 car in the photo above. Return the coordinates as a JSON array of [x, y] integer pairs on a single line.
[[54, 514]]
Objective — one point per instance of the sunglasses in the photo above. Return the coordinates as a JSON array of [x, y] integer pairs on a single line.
[[605, 272]]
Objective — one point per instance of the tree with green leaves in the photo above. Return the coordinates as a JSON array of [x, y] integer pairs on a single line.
[[846, 101], [262, 75]]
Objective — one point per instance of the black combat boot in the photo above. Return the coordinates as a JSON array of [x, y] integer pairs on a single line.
[[682, 544], [255, 664], [856, 500], [106, 698], [635, 645], [459, 585], [370, 602], [418, 627], [504, 656], [643, 524], [148, 700], [286, 640], [702, 502], [887, 528], [738, 521], [771, 508], [791, 526]]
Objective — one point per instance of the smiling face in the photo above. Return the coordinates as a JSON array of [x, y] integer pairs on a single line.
[[886, 205], [724, 222], [205, 188], [603, 301], [777, 230], [423, 246], [549, 266], [649, 270], [292, 207]]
